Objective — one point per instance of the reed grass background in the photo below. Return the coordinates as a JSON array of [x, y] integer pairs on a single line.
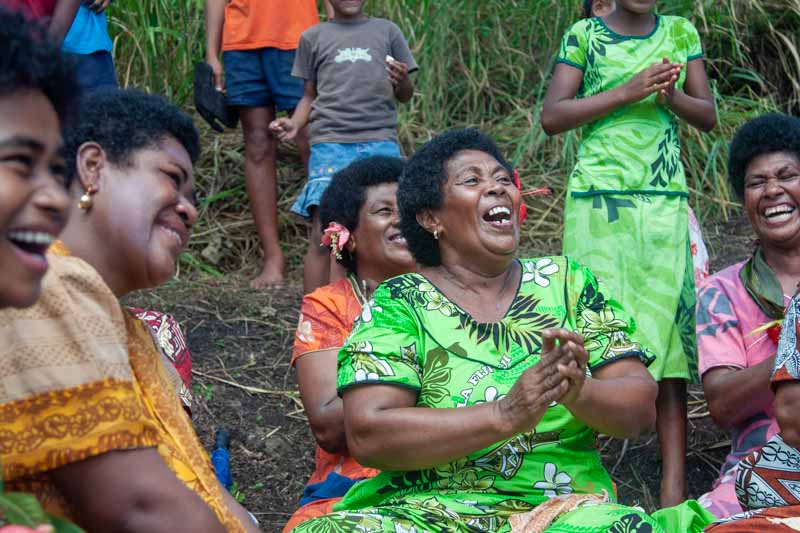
[[483, 63]]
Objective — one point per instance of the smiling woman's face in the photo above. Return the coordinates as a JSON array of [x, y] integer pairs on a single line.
[[772, 198], [33, 197], [380, 246], [480, 210], [143, 214]]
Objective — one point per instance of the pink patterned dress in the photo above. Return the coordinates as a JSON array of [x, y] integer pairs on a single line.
[[726, 318]]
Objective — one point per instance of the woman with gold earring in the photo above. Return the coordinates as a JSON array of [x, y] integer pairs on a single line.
[[134, 462]]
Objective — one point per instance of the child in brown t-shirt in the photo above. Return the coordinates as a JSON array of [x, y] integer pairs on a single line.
[[355, 67]]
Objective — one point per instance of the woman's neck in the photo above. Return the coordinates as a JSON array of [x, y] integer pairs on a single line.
[[629, 23], [471, 278], [369, 278], [79, 240], [785, 262]]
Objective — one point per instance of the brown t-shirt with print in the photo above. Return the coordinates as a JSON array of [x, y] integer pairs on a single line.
[[347, 62]]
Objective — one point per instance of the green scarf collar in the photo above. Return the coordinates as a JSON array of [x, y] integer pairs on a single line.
[[762, 285]]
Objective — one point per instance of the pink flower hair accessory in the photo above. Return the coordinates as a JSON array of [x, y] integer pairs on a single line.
[[335, 236]]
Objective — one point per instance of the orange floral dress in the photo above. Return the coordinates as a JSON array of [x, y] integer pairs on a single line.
[[326, 319], [79, 377]]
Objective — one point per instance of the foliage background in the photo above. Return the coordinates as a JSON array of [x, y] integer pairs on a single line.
[[483, 63]]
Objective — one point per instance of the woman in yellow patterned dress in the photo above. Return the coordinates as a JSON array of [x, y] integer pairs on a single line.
[[89, 420]]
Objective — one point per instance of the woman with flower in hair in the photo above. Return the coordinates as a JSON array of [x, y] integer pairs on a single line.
[[739, 309], [359, 209]]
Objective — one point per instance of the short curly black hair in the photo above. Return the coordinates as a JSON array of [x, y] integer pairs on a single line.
[[346, 193], [29, 60], [766, 134], [423, 180], [124, 122]]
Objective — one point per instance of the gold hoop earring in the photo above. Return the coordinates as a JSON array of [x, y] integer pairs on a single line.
[[436, 234], [85, 202]]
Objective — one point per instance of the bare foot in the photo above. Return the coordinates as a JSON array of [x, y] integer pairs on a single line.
[[271, 275]]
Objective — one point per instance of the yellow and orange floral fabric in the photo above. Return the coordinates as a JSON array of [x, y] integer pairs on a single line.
[[79, 377]]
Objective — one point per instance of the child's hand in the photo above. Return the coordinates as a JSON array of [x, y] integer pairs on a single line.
[[284, 129], [655, 78], [398, 71], [219, 73], [665, 96], [98, 6]]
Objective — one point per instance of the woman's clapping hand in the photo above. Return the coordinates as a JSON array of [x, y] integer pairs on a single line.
[[557, 377]]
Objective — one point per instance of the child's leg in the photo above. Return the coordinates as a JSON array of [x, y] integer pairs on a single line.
[[671, 425], [316, 264], [262, 190]]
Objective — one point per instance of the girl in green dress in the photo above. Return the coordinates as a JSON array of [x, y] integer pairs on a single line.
[[626, 79], [478, 384]]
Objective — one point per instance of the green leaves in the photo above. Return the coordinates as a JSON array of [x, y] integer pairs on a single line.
[[23, 510]]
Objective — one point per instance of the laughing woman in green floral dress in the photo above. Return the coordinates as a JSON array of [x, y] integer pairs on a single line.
[[478, 385]]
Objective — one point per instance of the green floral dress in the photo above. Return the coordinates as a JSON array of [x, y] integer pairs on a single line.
[[410, 335], [626, 211]]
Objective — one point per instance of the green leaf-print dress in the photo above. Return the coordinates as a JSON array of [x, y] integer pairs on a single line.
[[626, 213], [418, 339]]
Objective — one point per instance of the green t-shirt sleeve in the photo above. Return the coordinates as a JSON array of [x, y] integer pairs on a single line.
[[573, 46], [382, 348], [689, 39], [605, 326]]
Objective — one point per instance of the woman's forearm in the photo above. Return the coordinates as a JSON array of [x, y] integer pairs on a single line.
[[623, 407], [570, 113], [414, 438], [698, 112], [240, 512], [734, 395], [327, 425]]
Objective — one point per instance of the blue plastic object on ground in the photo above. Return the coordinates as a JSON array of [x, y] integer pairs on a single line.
[[221, 457]]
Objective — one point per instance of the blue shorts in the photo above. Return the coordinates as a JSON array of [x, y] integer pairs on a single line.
[[262, 78], [329, 158], [93, 71]]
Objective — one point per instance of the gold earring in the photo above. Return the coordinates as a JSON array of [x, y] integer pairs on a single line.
[[85, 202], [436, 234]]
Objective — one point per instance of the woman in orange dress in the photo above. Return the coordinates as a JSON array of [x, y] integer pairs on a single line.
[[359, 209]]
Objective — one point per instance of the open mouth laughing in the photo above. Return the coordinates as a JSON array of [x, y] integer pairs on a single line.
[[30, 245], [397, 238], [499, 217], [778, 213]]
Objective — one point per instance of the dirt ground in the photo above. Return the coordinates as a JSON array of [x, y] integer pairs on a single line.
[[241, 342]]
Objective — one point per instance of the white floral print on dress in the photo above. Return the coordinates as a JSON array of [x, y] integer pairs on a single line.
[[539, 271], [554, 482]]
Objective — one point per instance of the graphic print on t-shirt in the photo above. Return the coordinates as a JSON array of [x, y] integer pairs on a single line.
[[353, 55]]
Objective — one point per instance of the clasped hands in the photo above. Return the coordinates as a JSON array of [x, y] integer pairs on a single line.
[[658, 78], [558, 377]]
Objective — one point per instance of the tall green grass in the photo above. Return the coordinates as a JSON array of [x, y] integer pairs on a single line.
[[483, 63]]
